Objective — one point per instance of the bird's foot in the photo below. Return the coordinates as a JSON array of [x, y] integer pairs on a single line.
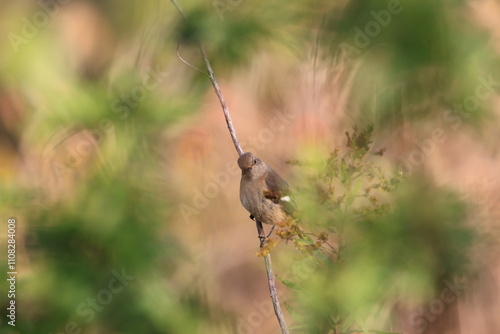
[[262, 240]]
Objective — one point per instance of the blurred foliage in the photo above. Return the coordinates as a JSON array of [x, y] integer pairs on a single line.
[[111, 220], [234, 32], [414, 59], [374, 238]]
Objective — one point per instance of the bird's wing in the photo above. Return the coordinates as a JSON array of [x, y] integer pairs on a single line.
[[278, 191]]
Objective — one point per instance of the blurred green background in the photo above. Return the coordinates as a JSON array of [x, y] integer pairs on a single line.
[[119, 170]]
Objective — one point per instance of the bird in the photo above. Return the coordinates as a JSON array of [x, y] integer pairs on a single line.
[[263, 193]]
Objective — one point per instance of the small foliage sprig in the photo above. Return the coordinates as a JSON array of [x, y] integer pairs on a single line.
[[347, 186]]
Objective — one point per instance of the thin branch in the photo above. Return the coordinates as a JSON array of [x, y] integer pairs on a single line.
[[222, 100], [270, 278], [223, 104], [274, 295]]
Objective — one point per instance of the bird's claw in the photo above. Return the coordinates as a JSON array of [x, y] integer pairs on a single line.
[[262, 240]]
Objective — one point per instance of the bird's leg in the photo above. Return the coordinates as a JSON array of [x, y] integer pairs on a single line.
[[260, 231]]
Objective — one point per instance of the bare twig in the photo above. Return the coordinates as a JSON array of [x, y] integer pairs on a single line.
[[267, 259], [222, 100], [223, 104], [274, 295], [188, 64]]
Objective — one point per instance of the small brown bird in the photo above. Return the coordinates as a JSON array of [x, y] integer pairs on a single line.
[[263, 192]]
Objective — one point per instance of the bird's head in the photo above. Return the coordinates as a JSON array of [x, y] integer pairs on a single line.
[[251, 166]]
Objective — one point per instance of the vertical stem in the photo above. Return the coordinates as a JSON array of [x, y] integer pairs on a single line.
[[271, 282], [211, 75], [267, 259], [274, 295], [223, 104]]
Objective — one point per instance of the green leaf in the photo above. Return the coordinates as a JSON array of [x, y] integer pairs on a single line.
[[289, 283]]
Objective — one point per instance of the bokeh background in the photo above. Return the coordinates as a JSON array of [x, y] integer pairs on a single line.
[[117, 165]]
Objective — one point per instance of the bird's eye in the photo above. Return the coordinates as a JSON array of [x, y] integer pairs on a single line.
[[255, 161]]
